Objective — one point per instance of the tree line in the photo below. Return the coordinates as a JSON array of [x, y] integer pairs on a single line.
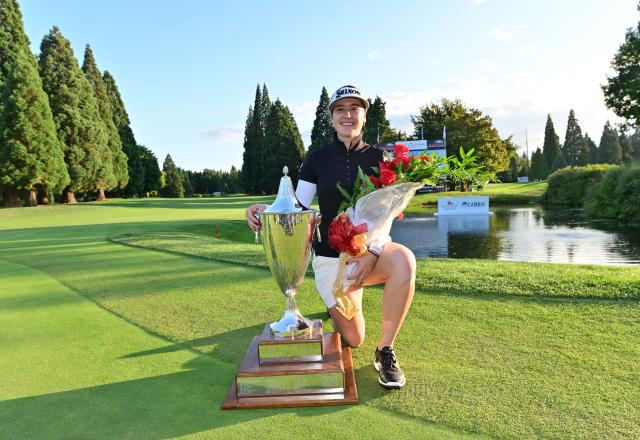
[[272, 138], [178, 182], [63, 127]]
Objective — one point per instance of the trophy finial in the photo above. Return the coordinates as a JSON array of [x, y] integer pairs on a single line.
[[286, 200]]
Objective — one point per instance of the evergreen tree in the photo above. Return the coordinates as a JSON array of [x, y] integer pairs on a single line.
[[513, 168], [285, 147], [234, 182], [134, 153], [551, 145], [118, 157], [322, 131], [80, 129], [626, 149], [152, 173], [173, 186], [559, 162], [377, 129], [574, 144], [186, 182], [261, 142], [247, 155], [523, 165], [538, 170], [590, 153], [30, 154], [609, 149], [256, 142]]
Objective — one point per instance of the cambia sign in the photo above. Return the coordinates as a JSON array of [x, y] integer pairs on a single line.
[[463, 205]]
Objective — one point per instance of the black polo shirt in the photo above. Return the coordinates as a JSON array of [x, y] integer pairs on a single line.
[[326, 167]]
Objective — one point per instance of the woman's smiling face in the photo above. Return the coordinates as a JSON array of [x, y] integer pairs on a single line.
[[348, 117]]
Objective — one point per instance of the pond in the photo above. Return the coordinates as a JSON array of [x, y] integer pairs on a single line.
[[521, 234]]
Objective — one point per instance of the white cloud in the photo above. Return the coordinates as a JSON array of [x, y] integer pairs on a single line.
[[373, 54], [500, 34], [485, 63], [229, 133], [435, 61], [518, 100]]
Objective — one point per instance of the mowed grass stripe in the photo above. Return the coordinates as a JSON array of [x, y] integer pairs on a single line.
[[73, 370]]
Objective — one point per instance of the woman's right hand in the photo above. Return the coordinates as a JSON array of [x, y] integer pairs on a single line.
[[252, 215]]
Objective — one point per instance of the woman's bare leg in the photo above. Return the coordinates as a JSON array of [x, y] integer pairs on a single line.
[[396, 268], [351, 330]]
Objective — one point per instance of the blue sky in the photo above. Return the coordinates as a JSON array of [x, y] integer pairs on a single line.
[[188, 70]]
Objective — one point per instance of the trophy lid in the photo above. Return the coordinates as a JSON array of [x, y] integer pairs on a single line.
[[286, 200]]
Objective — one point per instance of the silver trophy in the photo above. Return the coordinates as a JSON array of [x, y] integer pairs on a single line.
[[287, 234]]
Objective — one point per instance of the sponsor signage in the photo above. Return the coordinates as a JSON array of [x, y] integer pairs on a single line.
[[416, 148], [463, 205]]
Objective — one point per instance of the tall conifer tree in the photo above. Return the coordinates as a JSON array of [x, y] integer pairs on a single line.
[[248, 154], [573, 141], [377, 129], [285, 146], [626, 149], [79, 127], [30, 154], [538, 170], [322, 131], [173, 178], [256, 143], [118, 157], [609, 149], [591, 151], [152, 173], [551, 145], [559, 162], [134, 153], [263, 147]]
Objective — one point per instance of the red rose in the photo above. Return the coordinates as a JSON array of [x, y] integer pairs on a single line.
[[400, 150], [376, 181], [387, 177], [425, 158], [386, 166]]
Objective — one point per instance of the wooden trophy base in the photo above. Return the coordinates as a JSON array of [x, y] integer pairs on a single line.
[[308, 370]]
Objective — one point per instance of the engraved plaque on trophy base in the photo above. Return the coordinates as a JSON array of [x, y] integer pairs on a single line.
[[306, 347], [290, 378]]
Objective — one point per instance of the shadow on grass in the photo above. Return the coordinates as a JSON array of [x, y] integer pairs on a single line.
[[157, 407], [194, 203]]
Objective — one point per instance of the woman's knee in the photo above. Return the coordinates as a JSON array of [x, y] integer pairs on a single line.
[[402, 263], [353, 339]]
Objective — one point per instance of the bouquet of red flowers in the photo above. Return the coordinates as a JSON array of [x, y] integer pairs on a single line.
[[370, 209]]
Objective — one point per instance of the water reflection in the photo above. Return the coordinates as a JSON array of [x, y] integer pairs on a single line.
[[521, 234]]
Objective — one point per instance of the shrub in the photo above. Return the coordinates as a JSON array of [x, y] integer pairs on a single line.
[[569, 186], [617, 195]]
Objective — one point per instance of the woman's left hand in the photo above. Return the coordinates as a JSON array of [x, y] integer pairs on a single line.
[[366, 264]]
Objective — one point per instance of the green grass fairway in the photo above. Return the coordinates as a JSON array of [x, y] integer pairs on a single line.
[[499, 194], [128, 319]]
